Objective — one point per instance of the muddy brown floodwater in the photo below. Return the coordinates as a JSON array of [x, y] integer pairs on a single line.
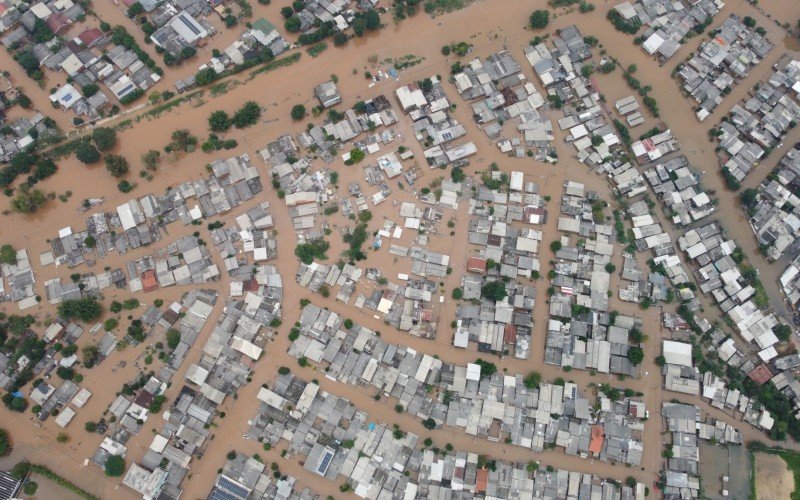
[[489, 26]]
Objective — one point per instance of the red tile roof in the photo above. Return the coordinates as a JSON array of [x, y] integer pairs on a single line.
[[760, 374], [476, 265], [91, 36], [149, 282], [510, 334], [482, 480], [598, 436]]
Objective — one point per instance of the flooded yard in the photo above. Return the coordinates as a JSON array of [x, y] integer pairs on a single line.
[[731, 461]]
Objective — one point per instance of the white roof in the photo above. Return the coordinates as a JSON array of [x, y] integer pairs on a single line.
[[678, 353]]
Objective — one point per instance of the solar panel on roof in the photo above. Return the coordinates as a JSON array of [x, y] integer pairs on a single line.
[[234, 488], [324, 462], [218, 494], [189, 25]]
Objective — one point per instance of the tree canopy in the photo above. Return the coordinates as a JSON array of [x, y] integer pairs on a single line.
[[539, 19], [87, 153], [105, 138], [298, 112], [85, 309], [117, 165], [494, 290], [8, 255], [247, 115], [114, 466], [219, 121]]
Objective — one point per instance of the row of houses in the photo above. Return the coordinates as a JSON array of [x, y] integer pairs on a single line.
[[774, 210], [22, 133], [39, 357], [140, 221], [255, 238], [497, 407], [720, 63], [668, 23], [184, 432], [680, 375], [757, 125], [428, 106], [376, 460], [677, 186], [682, 476], [86, 284], [507, 253], [581, 332], [17, 281], [647, 233], [584, 121], [259, 38], [739, 296], [244, 477], [499, 93]]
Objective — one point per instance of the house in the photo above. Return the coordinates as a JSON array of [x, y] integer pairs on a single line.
[[328, 94]]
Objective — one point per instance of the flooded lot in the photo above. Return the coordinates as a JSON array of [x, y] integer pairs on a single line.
[[731, 461]]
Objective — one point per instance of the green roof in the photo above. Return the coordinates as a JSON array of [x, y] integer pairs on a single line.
[[263, 26]]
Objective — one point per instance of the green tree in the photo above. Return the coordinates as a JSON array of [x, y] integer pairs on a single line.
[[173, 338], [85, 309], [636, 355], [356, 155], [8, 255], [20, 470], [298, 112], [45, 167], [105, 138], [28, 200], [5, 443], [151, 159], [90, 89], [247, 115], [749, 198], [117, 165], [494, 290], [87, 153], [219, 121], [487, 369], [292, 24], [783, 332], [539, 19], [532, 380], [114, 466], [205, 76]]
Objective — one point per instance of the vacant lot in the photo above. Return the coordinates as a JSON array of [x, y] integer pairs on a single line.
[[774, 480]]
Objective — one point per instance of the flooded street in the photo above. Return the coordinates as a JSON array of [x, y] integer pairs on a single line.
[[489, 26]]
